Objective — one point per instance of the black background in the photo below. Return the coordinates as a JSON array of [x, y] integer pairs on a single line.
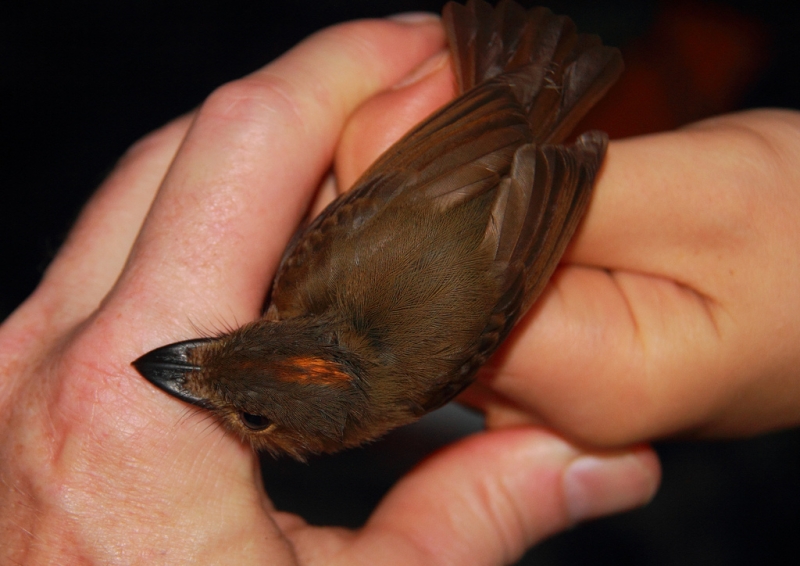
[[82, 80]]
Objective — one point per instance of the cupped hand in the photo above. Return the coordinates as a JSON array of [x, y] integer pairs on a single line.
[[98, 466], [675, 310]]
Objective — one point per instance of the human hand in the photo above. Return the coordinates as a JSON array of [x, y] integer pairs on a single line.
[[678, 309], [97, 465], [674, 311]]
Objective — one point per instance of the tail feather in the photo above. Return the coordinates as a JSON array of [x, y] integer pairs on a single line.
[[557, 74]]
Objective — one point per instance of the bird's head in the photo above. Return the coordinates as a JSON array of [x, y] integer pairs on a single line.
[[284, 387]]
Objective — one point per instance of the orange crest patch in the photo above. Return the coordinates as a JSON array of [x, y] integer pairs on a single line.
[[317, 370]]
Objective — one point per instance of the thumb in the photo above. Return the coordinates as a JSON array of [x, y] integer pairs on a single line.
[[487, 499]]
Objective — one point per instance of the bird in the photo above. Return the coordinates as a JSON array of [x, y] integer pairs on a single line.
[[387, 303]]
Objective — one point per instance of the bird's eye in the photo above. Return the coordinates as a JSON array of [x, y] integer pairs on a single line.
[[255, 422]]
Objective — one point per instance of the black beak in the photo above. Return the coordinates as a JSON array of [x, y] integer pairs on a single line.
[[168, 367]]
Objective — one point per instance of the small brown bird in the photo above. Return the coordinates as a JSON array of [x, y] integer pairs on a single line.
[[386, 304]]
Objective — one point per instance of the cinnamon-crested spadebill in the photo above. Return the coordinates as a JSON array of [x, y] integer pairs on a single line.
[[386, 304]]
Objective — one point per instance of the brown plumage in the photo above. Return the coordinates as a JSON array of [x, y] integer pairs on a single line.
[[386, 304]]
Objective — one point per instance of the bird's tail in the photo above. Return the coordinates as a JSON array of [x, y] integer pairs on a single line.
[[557, 73]]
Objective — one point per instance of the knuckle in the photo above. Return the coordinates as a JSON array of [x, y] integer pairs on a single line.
[[358, 40], [763, 145], [253, 99], [348, 57]]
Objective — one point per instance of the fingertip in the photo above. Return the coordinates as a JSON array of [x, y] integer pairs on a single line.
[[603, 484]]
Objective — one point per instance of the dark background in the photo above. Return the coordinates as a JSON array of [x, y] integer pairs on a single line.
[[81, 81]]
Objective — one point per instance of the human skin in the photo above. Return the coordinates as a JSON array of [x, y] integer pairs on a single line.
[[98, 466]]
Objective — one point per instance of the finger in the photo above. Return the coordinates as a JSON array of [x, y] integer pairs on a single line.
[[667, 336], [650, 212], [245, 172], [487, 499], [386, 117], [92, 257], [587, 362]]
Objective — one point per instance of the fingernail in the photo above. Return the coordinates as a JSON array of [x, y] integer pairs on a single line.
[[426, 68], [603, 485], [414, 18]]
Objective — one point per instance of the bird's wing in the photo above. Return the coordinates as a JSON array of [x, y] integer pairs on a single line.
[[535, 212], [457, 154]]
